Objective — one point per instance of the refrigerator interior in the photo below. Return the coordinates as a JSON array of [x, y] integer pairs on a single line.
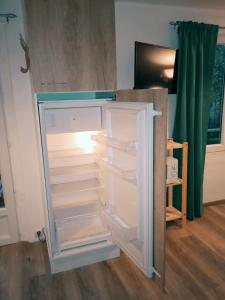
[[95, 184]]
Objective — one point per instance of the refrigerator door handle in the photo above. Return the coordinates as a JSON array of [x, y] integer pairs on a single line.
[[156, 113]]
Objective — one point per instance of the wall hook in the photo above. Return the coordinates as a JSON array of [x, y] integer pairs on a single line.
[[8, 16], [27, 56]]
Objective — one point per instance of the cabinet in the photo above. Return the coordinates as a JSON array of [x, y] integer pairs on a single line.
[[72, 44], [171, 212], [98, 183]]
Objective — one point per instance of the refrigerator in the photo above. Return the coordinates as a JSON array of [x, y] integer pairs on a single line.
[[98, 181]]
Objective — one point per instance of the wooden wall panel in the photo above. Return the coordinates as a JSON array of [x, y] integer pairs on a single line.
[[72, 44], [159, 98]]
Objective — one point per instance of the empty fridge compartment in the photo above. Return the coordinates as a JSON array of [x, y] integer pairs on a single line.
[[81, 230], [77, 208], [119, 227], [76, 198], [73, 173], [127, 146], [61, 120], [72, 157], [70, 189]]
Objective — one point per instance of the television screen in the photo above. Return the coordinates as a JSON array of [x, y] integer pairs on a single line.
[[155, 67]]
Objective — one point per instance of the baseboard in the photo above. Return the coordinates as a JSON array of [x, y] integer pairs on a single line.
[[217, 202]]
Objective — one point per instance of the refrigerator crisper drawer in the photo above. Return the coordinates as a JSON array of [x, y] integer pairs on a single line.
[[65, 120], [81, 230], [81, 256]]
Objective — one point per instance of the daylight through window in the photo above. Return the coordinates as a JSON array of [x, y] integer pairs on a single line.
[[216, 111]]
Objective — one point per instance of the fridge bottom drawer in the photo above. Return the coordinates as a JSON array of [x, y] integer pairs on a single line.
[[75, 258], [81, 230]]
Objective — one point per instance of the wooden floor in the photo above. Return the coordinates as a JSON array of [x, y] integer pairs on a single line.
[[195, 269]]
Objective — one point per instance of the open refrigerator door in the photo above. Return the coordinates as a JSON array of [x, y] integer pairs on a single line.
[[127, 176]]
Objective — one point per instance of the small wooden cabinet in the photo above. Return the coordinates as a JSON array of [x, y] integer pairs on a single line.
[[171, 212], [72, 44]]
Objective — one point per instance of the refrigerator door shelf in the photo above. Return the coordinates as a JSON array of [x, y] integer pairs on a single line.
[[126, 146], [119, 227], [128, 175]]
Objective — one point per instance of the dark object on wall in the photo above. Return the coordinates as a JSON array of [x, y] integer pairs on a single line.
[[155, 67], [27, 56], [72, 44]]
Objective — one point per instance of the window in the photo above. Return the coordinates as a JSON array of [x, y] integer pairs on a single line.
[[216, 110]]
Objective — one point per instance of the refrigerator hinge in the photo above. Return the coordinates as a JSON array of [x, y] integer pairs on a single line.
[[156, 113], [156, 272]]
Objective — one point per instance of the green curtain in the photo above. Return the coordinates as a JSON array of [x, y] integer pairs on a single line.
[[197, 44]]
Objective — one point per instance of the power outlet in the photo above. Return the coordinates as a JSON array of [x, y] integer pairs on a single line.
[[41, 235]]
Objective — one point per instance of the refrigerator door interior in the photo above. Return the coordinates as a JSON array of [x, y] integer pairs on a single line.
[[127, 174]]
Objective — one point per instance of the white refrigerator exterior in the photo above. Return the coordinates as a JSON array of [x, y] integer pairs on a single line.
[[98, 169]]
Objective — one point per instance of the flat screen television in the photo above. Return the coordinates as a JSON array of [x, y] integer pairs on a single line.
[[155, 67]]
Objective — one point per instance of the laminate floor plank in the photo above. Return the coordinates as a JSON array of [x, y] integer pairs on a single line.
[[208, 233], [195, 269], [181, 287], [137, 285], [192, 274]]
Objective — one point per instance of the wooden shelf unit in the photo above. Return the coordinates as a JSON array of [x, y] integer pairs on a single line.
[[171, 212]]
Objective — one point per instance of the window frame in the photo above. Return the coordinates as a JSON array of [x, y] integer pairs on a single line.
[[221, 146]]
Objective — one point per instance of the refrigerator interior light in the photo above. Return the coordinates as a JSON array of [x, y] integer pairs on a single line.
[[83, 139]]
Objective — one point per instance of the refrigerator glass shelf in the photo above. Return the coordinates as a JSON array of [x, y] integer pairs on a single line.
[[73, 152], [70, 188], [77, 208], [73, 173]]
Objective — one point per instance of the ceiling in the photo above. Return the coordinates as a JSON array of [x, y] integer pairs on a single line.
[[207, 4]]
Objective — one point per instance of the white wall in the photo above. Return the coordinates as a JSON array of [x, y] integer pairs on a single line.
[[26, 171], [214, 183], [150, 24]]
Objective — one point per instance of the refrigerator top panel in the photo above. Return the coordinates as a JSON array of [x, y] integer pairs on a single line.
[[75, 96]]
